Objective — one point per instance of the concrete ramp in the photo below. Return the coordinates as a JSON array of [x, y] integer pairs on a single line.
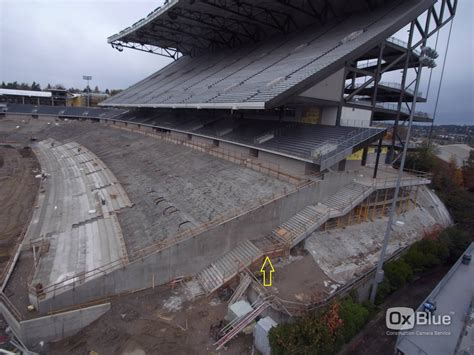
[[429, 200], [74, 230]]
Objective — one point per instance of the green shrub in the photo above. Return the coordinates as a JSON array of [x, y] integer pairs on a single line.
[[426, 254], [383, 290], [456, 241], [307, 335], [398, 273], [354, 316], [415, 259], [323, 333]]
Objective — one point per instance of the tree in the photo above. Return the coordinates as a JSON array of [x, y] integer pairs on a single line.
[[467, 172], [423, 159], [24, 86], [456, 241], [398, 273], [115, 92], [35, 86], [107, 91], [353, 316], [96, 89]]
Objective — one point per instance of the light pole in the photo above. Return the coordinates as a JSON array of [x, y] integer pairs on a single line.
[[88, 78], [427, 58]]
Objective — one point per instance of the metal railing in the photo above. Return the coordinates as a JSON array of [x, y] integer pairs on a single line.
[[403, 44], [393, 40], [413, 177], [10, 306], [73, 281], [393, 85], [394, 107], [343, 144], [290, 236]]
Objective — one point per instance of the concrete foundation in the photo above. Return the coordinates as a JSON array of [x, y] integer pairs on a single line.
[[54, 327]]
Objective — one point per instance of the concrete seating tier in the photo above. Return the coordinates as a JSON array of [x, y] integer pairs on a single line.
[[254, 74]]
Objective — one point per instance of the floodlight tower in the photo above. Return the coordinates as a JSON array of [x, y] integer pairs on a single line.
[[427, 58], [88, 78]]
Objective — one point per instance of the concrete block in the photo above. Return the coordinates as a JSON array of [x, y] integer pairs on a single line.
[[61, 325], [260, 335], [238, 309]]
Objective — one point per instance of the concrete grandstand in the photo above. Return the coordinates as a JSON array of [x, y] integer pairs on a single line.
[[241, 148]]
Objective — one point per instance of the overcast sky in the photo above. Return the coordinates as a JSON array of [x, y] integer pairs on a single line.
[[58, 41]]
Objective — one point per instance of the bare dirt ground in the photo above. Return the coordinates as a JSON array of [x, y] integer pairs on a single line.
[[299, 279], [155, 321], [18, 189]]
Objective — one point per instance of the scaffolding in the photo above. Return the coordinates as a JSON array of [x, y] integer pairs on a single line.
[[376, 206]]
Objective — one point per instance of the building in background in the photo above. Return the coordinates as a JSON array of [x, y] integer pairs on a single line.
[[53, 97], [77, 100]]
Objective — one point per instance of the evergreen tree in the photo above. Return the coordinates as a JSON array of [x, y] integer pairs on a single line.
[[468, 172]]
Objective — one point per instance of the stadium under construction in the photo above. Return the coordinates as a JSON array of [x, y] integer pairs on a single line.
[[261, 135]]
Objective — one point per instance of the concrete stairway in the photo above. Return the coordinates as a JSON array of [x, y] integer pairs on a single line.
[[288, 234], [245, 281], [347, 198], [300, 225], [311, 218], [228, 266]]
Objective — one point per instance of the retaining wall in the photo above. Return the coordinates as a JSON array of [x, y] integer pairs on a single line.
[[192, 255], [53, 327]]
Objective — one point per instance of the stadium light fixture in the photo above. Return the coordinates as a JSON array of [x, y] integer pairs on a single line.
[[88, 78], [427, 59]]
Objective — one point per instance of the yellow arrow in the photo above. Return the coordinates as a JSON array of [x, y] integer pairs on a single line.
[[267, 281]]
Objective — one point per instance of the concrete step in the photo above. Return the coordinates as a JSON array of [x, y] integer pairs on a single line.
[[228, 266], [311, 217], [351, 193], [245, 281]]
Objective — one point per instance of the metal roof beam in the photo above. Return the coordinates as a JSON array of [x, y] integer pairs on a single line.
[[172, 53], [239, 28], [321, 14], [274, 19], [181, 44], [177, 30]]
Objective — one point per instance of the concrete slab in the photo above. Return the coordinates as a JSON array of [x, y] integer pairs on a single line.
[[173, 187], [76, 231], [344, 254]]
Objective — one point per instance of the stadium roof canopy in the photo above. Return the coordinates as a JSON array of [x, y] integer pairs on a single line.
[[264, 74], [192, 27], [30, 93]]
